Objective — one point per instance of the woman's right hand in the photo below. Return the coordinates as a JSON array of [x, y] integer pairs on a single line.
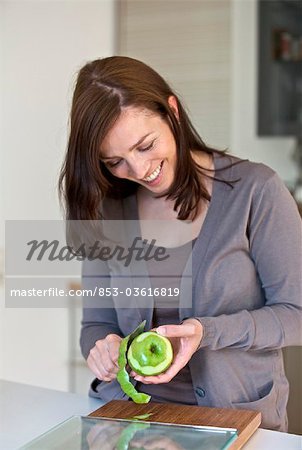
[[102, 359]]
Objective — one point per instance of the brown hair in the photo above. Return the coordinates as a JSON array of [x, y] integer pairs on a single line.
[[103, 88]]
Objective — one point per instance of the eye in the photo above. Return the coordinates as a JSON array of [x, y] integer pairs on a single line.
[[145, 149], [114, 164]]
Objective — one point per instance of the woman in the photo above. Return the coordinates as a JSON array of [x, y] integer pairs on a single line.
[[134, 155]]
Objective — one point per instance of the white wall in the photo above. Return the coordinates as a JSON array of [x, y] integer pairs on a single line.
[[1, 190], [191, 50], [275, 152], [44, 43]]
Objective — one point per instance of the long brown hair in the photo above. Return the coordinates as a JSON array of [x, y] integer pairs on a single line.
[[103, 88]]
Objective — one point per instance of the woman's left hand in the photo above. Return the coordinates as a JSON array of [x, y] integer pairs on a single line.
[[185, 339]]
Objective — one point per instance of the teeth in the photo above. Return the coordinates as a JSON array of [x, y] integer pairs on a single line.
[[153, 174]]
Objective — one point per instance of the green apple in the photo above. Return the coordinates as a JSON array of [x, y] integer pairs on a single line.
[[150, 354]]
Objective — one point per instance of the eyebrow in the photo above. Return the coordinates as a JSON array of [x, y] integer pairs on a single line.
[[131, 148]]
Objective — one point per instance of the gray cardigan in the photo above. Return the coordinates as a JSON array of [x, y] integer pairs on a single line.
[[246, 292]]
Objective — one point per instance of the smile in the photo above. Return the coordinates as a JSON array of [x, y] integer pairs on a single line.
[[154, 174]]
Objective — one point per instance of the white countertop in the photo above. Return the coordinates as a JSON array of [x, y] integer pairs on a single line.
[[28, 411]]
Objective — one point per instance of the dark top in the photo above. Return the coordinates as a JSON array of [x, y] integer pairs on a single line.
[[166, 311]]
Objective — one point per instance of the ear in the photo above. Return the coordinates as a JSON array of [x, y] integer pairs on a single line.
[[173, 105]]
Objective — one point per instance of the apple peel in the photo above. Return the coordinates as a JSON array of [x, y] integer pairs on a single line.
[[122, 375], [155, 360]]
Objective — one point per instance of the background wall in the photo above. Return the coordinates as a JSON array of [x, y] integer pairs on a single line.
[[208, 51], [275, 152], [43, 44], [189, 43], [1, 189]]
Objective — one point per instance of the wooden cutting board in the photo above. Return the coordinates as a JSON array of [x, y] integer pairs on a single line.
[[246, 422]]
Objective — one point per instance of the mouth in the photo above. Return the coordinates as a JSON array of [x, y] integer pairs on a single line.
[[154, 176]]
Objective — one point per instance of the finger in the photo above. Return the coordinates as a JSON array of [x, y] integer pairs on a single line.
[[109, 363], [184, 330], [93, 367], [113, 349], [95, 362], [179, 362], [133, 374], [105, 362], [102, 375]]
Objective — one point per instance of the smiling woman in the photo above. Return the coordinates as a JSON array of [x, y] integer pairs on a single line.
[[151, 162], [141, 136], [134, 156]]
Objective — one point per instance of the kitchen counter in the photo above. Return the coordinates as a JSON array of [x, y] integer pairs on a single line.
[[28, 411]]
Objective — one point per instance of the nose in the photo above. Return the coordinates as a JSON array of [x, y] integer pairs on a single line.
[[138, 169]]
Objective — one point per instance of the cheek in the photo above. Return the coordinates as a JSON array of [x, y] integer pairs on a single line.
[[171, 155], [120, 172], [171, 148]]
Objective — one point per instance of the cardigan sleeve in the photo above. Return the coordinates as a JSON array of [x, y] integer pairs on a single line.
[[99, 316], [275, 238]]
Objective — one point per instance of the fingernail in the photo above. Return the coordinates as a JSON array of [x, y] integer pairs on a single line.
[[161, 330]]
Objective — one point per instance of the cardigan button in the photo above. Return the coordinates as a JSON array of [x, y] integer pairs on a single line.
[[201, 392]]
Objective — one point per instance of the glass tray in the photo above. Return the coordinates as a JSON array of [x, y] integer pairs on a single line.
[[87, 433]]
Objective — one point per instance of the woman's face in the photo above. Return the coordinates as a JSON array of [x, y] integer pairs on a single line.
[[141, 147]]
